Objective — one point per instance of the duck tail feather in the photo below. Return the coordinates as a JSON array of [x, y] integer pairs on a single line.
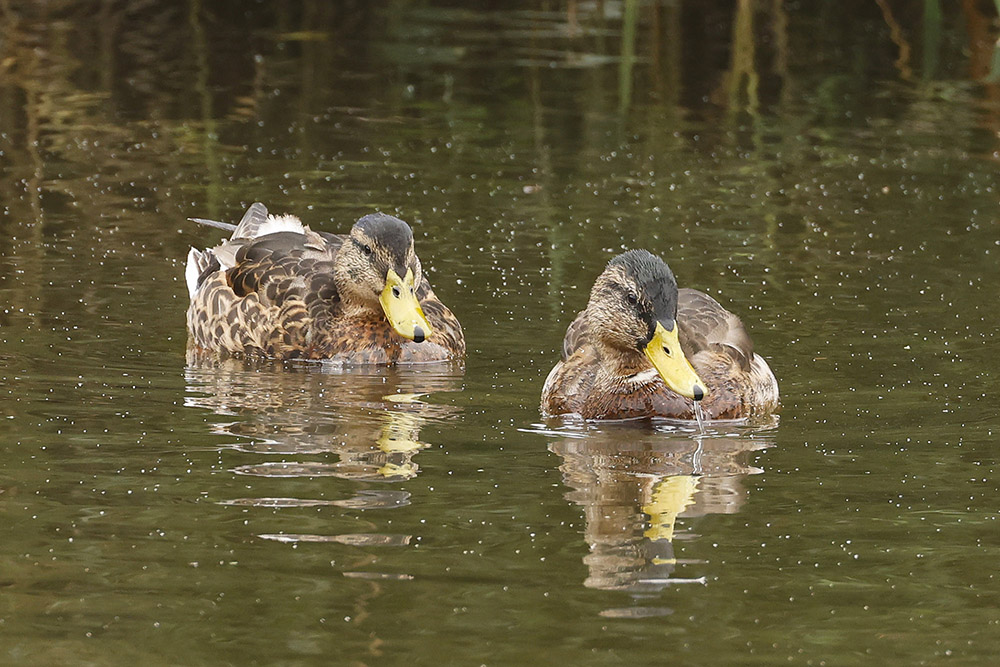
[[228, 226], [200, 263], [192, 271], [249, 226], [255, 223]]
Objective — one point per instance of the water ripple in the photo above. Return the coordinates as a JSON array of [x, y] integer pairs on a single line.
[[367, 499], [350, 539], [356, 470]]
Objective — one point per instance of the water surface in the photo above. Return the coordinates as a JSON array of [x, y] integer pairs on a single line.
[[832, 178]]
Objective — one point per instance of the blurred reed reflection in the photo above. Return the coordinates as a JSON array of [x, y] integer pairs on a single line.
[[634, 484], [311, 420]]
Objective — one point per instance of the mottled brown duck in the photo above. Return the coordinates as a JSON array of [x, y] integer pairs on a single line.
[[280, 290], [643, 348]]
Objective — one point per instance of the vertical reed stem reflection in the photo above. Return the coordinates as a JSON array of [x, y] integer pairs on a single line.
[[932, 37], [627, 63], [743, 76], [209, 130]]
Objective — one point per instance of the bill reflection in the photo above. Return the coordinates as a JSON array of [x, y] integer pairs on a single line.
[[636, 487]]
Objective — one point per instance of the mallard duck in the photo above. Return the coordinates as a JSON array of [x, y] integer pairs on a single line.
[[643, 348], [278, 289]]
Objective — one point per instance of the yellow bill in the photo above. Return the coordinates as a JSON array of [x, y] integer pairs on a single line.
[[399, 301], [664, 352]]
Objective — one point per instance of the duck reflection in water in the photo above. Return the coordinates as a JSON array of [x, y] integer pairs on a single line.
[[370, 419], [634, 484]]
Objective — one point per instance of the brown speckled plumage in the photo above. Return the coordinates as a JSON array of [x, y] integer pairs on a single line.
[[605, 375], [278, 289]]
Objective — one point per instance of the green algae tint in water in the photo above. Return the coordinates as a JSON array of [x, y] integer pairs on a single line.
[[796, 162]]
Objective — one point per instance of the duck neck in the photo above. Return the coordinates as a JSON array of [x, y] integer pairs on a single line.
[[352, 303], [351, 309], [625, 366]]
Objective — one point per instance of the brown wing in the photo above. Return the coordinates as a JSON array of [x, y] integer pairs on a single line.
[[706, 325], [279, 291], [575, 335], [266, 264], [447, 329]]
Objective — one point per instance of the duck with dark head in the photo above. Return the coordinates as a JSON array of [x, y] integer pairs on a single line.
[[277, 289], [643, 348]]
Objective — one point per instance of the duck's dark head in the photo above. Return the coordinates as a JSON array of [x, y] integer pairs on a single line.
[[378, 267], [633, 308]]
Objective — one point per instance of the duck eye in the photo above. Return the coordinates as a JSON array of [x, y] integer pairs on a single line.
[[632, 298], [367, 249]]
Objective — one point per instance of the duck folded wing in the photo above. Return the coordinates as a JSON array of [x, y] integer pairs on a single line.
[[266, 265], [706, 326], [576, 335]]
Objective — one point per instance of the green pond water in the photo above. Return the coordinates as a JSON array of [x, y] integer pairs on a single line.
[[829, 173]]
